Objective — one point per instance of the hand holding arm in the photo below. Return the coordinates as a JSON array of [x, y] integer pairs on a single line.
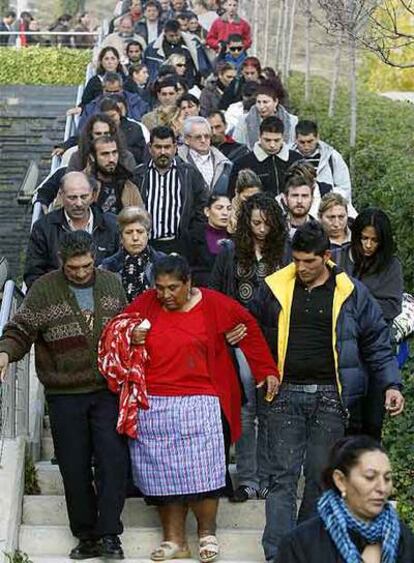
[[236, 334]]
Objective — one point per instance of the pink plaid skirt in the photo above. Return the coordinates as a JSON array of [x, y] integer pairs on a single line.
[[180, 447]]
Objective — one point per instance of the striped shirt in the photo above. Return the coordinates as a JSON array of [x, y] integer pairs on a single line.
[[164, 201]]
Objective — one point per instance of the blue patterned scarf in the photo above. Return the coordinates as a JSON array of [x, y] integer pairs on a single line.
[[384, 529]]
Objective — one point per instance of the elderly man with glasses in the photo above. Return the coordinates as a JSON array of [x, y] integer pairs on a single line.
[[209, 161]]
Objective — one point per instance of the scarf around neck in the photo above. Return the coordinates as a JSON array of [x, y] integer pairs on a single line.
[[134, 279], [384, 529]]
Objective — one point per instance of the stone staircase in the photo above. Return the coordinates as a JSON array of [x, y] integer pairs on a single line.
[[32, 121], [46, 538]]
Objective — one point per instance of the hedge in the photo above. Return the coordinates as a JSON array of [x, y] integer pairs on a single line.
[[43, 66], [382, 163]]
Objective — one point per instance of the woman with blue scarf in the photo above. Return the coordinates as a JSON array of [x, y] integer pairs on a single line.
[[355, 522]]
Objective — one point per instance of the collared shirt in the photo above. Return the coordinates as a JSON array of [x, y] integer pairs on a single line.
[[309, 357], [89, 225], [152, 28], [164, 201], [205, 165]]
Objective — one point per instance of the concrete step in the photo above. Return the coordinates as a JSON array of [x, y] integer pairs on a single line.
[[42, 541], [48, 510], [48, 450], [50, 480]]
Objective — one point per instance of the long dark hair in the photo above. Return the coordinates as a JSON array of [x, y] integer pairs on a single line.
[[85, 139], [274, 244], [100, 69], [372, 217], [345, 455]]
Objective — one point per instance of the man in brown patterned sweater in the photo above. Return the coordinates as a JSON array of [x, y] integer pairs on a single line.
[[63, 315]]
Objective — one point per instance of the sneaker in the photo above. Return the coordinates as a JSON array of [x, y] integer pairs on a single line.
[[263, 492], [243, 493], [111, 548], [86, 549]]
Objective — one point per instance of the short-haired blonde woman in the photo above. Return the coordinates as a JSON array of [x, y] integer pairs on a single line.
[[179, 62], [135, 259], [333, 216]]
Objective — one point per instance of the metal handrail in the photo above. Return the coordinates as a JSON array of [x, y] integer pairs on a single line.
[[14, 391]]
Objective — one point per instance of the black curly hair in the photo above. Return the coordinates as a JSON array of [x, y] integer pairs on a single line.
[[274, 244]]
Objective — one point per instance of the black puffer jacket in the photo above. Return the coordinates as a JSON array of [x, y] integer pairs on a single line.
[[42, 251]]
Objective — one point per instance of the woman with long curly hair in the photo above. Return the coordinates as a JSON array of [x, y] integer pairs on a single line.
[[258, 249]]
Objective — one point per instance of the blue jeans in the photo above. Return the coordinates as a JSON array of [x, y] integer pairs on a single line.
[[251, 448], [304, 421]]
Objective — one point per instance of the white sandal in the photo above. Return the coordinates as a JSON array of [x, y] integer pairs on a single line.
[[209, 545], [170, 550]]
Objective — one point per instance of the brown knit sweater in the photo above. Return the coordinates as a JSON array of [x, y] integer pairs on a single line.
[[65, 347]]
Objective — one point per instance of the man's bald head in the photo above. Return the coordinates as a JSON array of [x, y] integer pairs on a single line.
[[77, 195]]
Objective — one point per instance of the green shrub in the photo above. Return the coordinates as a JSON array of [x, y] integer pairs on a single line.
[[43, 66], [399, 441], [31, 483], [382, 163], [18, 557]]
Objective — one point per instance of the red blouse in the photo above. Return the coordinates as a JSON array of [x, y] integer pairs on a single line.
[[221, 314], [178, 347]]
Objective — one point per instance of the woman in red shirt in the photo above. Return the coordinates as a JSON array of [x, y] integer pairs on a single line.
[[178, 458]]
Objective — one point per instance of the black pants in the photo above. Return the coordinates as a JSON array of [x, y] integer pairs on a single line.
[[84, 425]]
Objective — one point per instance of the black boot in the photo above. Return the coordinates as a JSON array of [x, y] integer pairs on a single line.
[[111, 548], [86, 549]]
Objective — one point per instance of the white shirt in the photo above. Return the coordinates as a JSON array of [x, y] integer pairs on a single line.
[[205, 165], [152, 28], [89, 225]]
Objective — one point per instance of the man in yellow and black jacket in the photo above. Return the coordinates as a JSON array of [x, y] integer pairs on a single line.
[[329, 337]]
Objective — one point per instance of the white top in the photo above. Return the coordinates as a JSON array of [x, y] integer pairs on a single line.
[[89, 226], [152, 28], [204, 163]]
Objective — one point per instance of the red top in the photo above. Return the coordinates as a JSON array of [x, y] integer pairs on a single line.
[[221, 314], [222, 28], [178, 347]]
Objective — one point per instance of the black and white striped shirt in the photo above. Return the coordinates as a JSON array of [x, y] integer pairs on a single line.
[[164, 201]]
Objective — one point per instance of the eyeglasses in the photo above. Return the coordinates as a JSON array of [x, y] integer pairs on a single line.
[[201, 137], [234, 49], [181, 64]]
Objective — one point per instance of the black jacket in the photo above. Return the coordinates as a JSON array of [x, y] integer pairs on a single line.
[[42, 251], [194, 196], [233, 150], [270, 169], [311, 543], [134, 138], [200, 258], [223, 275]]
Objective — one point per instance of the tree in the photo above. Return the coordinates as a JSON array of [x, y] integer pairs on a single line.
[[71, 7], [4, 7]]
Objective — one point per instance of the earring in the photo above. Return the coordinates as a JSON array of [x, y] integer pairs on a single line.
[[343, 494]]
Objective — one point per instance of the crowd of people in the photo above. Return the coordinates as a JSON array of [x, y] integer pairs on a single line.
[[26, 31], [201, 278]]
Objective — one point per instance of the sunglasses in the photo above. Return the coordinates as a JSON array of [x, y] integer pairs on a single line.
[[234, 49], [180, 64]]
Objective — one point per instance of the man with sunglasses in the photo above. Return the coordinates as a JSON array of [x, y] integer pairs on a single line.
[[229, 23], [234, 51]]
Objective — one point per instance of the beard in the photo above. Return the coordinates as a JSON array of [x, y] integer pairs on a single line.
[[162, 161]]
